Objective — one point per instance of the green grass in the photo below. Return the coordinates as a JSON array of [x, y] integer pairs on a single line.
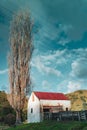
[[51, 125], [3, 127]]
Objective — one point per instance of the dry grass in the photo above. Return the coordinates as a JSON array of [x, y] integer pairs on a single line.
[[77, 99]]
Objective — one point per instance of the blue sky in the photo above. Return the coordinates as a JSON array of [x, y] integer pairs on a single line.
[[59, 61]]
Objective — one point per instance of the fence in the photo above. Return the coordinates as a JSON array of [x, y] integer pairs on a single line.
[[66, 115]]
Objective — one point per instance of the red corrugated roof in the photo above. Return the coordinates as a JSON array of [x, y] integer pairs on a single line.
[[50, 96]]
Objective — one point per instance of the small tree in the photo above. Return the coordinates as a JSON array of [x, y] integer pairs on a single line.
[[19, 61]]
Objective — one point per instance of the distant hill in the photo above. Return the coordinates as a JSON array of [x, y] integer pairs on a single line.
[[78, 100]]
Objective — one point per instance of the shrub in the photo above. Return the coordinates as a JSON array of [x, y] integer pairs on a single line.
[[80, 92], [83, 98], [10, 119], [1, 119], [24, 115]]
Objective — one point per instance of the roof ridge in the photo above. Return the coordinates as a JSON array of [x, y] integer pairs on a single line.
[[46, 92]]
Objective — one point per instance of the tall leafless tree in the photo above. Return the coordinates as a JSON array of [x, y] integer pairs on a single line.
[[21, 49]]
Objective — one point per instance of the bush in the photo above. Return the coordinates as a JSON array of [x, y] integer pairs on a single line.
[[80, 92], [10, 119], [24, 115], [1, 119]]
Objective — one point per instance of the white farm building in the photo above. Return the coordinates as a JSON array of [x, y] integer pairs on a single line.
[[40, 103]]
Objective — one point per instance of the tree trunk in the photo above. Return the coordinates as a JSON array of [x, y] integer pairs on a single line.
[[18, 117]]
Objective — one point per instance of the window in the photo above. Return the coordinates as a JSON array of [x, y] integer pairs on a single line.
[[66, 108], [31, 110]]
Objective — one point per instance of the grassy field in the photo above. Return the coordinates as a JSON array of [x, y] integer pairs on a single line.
[[52, 126], [3, 127]]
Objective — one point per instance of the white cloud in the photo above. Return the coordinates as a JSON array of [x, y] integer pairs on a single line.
[[80, 52], [3, 71], [58, 57], [63, 41], [49, 32], [41, 67], [79, 68], [73, 86], [49, 57], [69, 85]]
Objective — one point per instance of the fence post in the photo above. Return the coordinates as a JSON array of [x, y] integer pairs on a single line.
[[60, 116], [78, 115]]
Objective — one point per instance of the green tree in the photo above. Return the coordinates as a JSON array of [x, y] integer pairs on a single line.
[[21, 49]]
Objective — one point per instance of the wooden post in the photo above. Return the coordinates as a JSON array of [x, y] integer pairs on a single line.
[[60, 117], [79, 116]]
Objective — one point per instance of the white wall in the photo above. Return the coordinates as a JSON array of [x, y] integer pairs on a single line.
[[35, 105], [64, 103]]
